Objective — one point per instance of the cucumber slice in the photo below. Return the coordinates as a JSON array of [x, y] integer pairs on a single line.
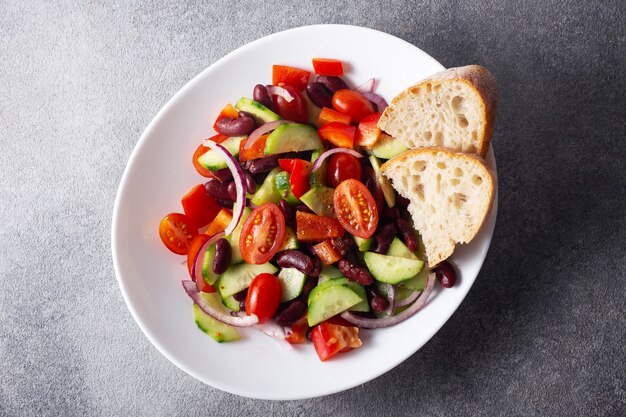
[[233, 238], [363, 306], [267, 193], [207, 266], [217, 330], [329, 272], [317, 177], [392, 269], [320, 200], [292, 282], [231, 303], [363, 244], [292, 137], [418, 282], [281, 181], [261, 113], [290, 241], [238, 277], [212, 161], [399, 249], [330, 300], [385, 185], [386, 147]]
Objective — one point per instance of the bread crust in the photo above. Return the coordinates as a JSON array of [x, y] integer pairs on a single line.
[[405, 157], [479, 79]]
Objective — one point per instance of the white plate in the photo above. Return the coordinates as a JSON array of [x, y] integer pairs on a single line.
[[159, 172]]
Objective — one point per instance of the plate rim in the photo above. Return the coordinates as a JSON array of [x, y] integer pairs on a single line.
[[490, 219]]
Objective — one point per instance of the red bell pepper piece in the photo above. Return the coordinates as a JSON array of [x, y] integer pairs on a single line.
[[339, 134], [327, 66], [312, 228], [328, 115], [200, 207], [326, 252], [368, 132], [291, 76], [299, 177]]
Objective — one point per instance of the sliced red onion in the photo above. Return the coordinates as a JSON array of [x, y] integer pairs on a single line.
[[194, 294], [320, 159], [367, 323], [196, 271], [409, 300], [260, 131], [276, 332], [240, 186], [377, 99], [367, 87], [274, 90]]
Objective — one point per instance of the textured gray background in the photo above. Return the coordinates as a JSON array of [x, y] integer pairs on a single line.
[[541, 333]]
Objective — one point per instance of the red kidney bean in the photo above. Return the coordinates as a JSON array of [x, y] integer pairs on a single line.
[[445, 274], [342, 245], [223, 175], [241, 295], [333, 83], [408, 234], [319, 95], [308, 286], [354, 272], [248, 180], [390, 213], [401, 201], [384, 236], [377, 301], [293, 258], [317, 268], [235, 127], [260, 94], [287, 211], [374, 187], [265, 164], [225, 203], [292, 312], [245, 114], [216, 189], [231, 189], [221, 259]]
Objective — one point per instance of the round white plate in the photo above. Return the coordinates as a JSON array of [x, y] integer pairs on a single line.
[[160, 172]]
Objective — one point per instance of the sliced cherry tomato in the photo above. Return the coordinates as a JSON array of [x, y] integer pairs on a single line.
[[255, 152], [298, 331], [326, 252], [329, 115], [339, 134], [227, 111], [291, 76], [352, 103], [201, 151], [220, 222], [368, 132], [327, 66], [264, 297], [342, 167], [177, 231], [200, 207], [296, 110], [299, 177], [330, 339], [194, 247], [312, 228], [262, 234], [355, 208]]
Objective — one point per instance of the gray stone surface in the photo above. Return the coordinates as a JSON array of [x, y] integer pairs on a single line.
[[541, 333]]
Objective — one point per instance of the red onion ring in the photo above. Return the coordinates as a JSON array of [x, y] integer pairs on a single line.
[[240, 186], [196, 271], [318, 162], [276, 332], [367, 323], [194, 294], [367, 87], [377, 99], [274, 90], [260, 131], [409, 300]]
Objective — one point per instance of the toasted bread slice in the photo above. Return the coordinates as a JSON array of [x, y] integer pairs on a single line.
[[450, 195], [454, 108]]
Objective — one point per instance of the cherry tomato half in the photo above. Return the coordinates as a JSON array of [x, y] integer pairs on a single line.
[[177, 232], [262, 234], [342, 167], [352, 103], [355, 208], [330, 339], [264, 297], [296, 110]]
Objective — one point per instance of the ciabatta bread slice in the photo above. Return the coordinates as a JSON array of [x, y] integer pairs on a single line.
[[450, 195], [455, 108]]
